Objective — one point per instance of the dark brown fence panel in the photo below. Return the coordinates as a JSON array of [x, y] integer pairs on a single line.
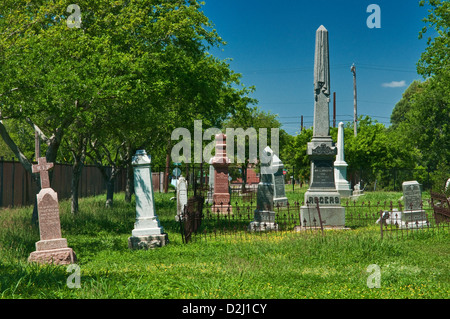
[[17, 188]]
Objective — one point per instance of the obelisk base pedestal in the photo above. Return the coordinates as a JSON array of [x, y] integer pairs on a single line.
[[333, 216], [331, 212]]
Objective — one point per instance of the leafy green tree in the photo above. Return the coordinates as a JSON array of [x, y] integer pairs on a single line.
[[249, 119], [436, 58], [131, 73]]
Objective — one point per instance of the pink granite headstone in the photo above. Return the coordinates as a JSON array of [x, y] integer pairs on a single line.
[[220, 161], [52, 248]]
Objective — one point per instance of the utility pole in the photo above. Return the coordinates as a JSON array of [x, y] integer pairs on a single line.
[[301, 124], [334, 109], [37, 145], [355, 116]]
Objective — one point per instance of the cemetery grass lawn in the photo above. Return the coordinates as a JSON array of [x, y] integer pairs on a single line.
[[261, 266]]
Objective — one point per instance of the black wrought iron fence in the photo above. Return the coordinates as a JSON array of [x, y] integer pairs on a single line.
[[236, 223]]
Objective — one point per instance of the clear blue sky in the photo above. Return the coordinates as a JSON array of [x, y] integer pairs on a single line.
[[271, 43]]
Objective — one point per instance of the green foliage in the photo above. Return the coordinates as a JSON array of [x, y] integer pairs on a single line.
[[436, 58]]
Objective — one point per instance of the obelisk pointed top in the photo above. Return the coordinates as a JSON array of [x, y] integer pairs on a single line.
[[321, 84]]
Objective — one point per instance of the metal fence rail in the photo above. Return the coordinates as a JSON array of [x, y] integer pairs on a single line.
[[234, 224]]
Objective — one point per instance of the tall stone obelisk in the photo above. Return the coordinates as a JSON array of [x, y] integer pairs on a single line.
[[321, 149]]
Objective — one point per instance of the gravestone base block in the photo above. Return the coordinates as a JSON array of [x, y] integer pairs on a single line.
[[148, 242], [280, 202], [263, 221], [222, 209], [330, 215], [51, 244], [61, 256], [344, 192]]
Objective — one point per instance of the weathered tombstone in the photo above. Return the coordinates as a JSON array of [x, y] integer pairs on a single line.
[[220, 161], [413, 216], [357, 191], [52, 248], [321, 150], [182, 197], [277, 167], [209, 197], [340, 166], [264, 215], [147, 232], [413, 211]]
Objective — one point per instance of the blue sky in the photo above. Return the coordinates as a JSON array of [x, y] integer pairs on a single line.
[[271, 43]]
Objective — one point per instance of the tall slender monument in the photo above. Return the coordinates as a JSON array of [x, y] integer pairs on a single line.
[[321, 149], [340, 166]]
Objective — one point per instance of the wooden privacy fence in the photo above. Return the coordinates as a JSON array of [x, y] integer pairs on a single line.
[[17, 187]]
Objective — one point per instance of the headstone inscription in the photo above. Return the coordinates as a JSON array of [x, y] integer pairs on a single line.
[[321, 149], [147, 232], [52, 248]]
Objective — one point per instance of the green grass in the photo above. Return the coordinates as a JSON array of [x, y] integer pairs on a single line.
[[288, 265]]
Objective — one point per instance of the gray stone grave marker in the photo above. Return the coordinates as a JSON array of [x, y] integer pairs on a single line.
[[264, 215], [412, 196]]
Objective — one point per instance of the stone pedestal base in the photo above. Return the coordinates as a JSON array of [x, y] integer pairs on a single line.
[[280, 202], [263, 220], [61, 256], [146, 242], [357, 193], [345, 192], [330, 215], [222, 209]]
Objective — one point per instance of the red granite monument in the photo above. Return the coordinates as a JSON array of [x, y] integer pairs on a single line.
[[52, 248], [220, 161]]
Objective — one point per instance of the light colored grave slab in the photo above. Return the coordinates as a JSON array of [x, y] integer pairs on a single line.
[[147, 232]]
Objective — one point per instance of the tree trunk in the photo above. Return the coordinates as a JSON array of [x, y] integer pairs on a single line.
[[129, 189], [110, 187], [76, 174], [110, 191]]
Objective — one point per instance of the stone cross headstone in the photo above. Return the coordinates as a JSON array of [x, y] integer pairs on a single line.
[[182, 197], [51, 248], [147, 232], [276, 171], [340, 166], [321, 149], [264, 215], [220, 161]]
